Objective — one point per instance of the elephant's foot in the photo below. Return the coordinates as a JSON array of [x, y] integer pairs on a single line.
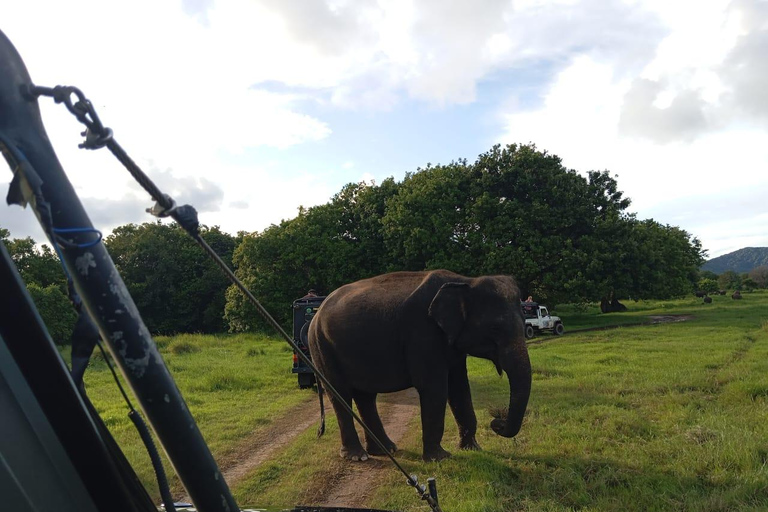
[[435, 455], [469, 443], [375, 449], [354, 454]]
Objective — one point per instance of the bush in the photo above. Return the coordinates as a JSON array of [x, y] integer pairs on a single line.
[[184, 347], [707, 285], [55, 310]]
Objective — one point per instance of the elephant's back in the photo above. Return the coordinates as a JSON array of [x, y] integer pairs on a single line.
[[384, 298], [394, 287], [365, 325]]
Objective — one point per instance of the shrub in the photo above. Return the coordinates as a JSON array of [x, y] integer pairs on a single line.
[[707, 286], [184, 347]]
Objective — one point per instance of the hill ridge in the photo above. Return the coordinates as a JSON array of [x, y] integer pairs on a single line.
[[741, 260]]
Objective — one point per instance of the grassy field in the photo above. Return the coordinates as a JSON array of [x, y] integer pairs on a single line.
[[654, 417], [233, 385]]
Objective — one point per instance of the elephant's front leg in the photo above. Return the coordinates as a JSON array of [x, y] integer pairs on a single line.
[[460, 400], [433, 402]]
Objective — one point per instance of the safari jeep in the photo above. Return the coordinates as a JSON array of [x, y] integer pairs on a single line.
[[538, 319], [303, 311]]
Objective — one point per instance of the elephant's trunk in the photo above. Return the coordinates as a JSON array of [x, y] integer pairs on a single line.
[[517, 366]]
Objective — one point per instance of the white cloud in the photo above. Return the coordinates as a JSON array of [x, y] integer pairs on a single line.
[[670, 101], [580, 122], [176, 90]]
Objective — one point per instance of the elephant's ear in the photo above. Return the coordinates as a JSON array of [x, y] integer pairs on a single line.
[[449, 310]]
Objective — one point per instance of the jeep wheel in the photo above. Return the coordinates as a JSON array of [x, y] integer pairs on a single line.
[[559, 329], [529, 331]]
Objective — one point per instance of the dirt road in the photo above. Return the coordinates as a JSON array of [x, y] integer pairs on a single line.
[[352, 486], [358, 480]]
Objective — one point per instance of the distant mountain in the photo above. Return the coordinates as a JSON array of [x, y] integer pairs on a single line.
[[739, 261]]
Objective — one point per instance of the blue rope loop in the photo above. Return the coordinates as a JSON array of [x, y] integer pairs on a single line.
[[84, 245]]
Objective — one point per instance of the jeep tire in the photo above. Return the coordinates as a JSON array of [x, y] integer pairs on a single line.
[[528, 331], [559, 329]]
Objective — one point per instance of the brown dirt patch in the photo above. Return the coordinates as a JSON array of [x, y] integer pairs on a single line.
[[260, 445], [353, 485], [347, 484], [663, 319]]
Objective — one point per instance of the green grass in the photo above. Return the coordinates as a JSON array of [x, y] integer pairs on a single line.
[[640, 312], [664, 417], [639, 418], [233, 385]]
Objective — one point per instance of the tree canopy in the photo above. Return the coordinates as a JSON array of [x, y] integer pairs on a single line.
[[565, 236], [46, 283], [517, 210], [175, 286], [323, 248]]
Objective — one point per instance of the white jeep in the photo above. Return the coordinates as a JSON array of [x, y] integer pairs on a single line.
[[538, 319]]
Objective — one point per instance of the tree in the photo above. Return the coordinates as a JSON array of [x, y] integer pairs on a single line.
[[729, 280], [429, 225], [37, 265], [760, 276], [664, 263], [517, 210], [324, 247], [46, 283], [176, 287], [707, 286], [56, 311], [748, 284]]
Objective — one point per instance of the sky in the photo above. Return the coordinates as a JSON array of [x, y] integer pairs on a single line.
[[249, 109]]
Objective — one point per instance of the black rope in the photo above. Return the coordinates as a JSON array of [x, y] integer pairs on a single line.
[[97, 136], [146, 437]]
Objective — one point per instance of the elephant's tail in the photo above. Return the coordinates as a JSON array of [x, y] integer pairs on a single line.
[[321, 427]]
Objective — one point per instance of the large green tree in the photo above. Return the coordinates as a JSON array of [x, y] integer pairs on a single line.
[[663, 261], [760, 276], [176, 287], [516, 210]]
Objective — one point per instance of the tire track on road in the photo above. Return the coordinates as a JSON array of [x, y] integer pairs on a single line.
[[261, 445], [353, 488]]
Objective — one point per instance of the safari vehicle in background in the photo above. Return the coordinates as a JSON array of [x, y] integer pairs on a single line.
[[304, 310], [537, 319]]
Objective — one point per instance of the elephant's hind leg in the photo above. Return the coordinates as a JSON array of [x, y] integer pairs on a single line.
[[351, 448], [366, 404]]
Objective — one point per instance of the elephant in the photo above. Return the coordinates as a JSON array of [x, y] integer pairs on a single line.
[[415, 329]]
